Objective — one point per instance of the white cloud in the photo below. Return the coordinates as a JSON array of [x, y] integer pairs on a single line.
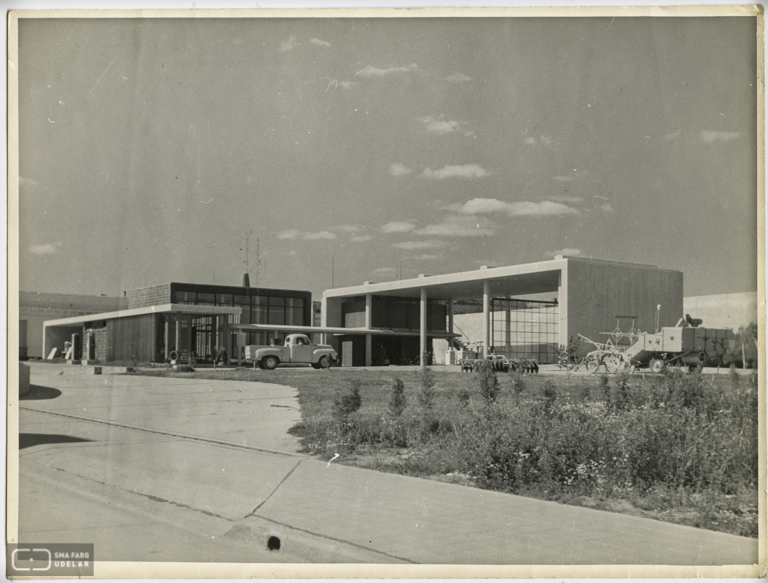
[[427, 257], [347, 228], [371, 72], [288, 44], [294, 234], [606, 208], [45, 248], [384, 271], [398, 169], [411, 245], [398, 227], [459, 226], [440, 125], [458, 78], [672, 136], [566, 198], [318, 235], [319, 43], [467, 171], [26, 181], [564, 178], [565, 252], [478, 206], [709, 137], [360, 238], [530, 141], [348, 84]]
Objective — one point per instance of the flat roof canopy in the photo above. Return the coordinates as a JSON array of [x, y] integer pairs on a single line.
[[532, 278], [330, 330], [184, 309]]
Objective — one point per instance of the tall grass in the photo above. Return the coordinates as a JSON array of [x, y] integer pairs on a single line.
[[673, 438]]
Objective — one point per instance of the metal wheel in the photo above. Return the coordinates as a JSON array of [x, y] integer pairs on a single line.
[[324, 362], [270, 362], [613, 363], [656, 365], [592, 363]]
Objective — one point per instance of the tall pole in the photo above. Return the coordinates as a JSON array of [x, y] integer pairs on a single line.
[[333, 269]]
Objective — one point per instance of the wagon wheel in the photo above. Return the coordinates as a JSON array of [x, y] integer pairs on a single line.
[[592, 363], [613, 363]]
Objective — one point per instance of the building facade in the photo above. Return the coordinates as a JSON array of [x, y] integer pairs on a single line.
[[177, 317], [527, 310]]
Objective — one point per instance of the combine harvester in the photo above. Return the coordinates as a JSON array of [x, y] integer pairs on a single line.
[[684, 345]]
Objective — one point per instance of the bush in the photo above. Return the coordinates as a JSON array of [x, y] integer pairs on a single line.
[[347, 402], [426, 389], [518, 382], [489, 383], [397, 400]]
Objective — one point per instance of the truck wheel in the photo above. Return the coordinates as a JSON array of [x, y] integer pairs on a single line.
[[656, 365], [324, 362], [270, 362]]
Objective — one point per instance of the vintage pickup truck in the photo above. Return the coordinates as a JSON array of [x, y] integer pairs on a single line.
[[297, 350]]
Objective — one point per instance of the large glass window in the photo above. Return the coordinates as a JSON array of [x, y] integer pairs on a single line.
[[204, 299], [294, 312], [184, 297], [277, 311], [224, 300]]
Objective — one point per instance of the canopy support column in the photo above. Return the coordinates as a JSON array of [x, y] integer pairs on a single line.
[[423, 328], [486, 318], [368, 338]]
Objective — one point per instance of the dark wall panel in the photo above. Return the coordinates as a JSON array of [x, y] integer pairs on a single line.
[[131, 337]]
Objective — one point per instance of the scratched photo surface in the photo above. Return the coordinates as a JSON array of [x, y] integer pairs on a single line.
[[320, 153]]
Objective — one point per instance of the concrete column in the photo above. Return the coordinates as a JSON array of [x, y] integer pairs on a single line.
[[165, 336], [178, 334], [450, 320], [368, 324], [508, 324], [423, 327], [486, 318], [562, 305]]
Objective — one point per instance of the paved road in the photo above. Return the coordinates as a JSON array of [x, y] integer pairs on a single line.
[[190, 470]]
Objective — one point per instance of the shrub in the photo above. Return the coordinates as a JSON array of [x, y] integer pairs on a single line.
[[518, 383], [489, 383], [426, 389], [347, 402], [397, 400], [464, 396]]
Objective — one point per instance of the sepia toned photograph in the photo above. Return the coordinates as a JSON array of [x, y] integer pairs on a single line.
[[392, 292]]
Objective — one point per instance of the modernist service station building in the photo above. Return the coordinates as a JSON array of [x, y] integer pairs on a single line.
[[521, 311]]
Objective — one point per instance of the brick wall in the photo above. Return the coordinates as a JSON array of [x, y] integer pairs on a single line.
[[100, 337], [149, 296]]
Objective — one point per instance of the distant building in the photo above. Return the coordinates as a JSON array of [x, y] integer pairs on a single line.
[[177, 317], [37, 307]]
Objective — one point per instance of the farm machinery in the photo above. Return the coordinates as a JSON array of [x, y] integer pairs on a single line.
[[684, 345]]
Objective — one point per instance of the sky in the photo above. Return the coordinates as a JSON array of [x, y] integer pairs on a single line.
[[328, 152]]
